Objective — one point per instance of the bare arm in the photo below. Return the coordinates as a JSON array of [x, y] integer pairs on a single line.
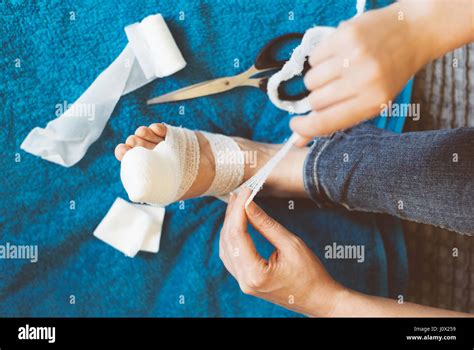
[[448, 24], [353, 304]]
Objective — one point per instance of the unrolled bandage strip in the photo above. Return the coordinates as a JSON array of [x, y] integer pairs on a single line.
[[163, 175], [151, 53]]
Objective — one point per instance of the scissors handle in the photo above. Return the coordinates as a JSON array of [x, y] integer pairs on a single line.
[[267, 57], [267, 60]]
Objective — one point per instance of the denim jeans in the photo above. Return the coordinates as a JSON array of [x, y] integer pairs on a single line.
[[424, 176]]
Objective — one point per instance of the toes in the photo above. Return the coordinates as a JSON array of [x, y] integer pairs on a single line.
[[147, 134], [135, 141], [147, 137], [159, 129], [120, 151]]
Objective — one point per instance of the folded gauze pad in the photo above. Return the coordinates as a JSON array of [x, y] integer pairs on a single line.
[[151, 53], [163, 175], [131, 227]]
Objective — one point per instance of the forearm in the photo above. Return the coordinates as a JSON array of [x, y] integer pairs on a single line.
[[353, 304], [440, 25]]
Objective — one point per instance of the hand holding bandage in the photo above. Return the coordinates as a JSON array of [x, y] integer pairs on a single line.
[[292, 277], [365, 63]]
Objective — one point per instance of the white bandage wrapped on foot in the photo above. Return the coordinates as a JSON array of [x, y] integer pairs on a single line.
[[163, 175]]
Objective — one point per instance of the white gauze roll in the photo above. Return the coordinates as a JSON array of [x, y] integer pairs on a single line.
[[154, 47], [294, 66], [66, 139], [163, 175]]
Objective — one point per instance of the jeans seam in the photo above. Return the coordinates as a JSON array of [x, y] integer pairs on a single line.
[[315, 167], [311, 181]]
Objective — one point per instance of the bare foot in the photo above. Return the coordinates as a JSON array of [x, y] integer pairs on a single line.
[[285, 181]]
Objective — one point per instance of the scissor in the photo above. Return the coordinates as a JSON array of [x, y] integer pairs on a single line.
[[265, 61]]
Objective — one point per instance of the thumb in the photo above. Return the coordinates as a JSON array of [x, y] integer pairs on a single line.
[[267, 226], [304, 126], [302, 141]]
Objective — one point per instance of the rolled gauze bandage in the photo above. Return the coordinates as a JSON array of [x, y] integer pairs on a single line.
[[151, 53], [157, 54], [293, 67]]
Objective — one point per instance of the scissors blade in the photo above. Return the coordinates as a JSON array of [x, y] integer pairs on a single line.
[[206, 88]]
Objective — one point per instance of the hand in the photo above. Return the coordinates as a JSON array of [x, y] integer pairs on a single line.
[[293, 277], [368, 59]]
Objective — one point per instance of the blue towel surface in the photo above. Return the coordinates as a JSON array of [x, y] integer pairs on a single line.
[[51, 52]]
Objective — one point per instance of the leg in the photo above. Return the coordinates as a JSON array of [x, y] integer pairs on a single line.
[[424, 176]]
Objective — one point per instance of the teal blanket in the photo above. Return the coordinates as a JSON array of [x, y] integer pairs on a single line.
[[51, 52]]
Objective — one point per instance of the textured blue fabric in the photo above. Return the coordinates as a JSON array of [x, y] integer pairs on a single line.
[[59, 58]]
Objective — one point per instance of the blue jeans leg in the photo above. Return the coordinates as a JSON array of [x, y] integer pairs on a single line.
[[424, 176]]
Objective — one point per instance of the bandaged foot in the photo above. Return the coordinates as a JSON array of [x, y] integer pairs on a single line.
[[162, 164]]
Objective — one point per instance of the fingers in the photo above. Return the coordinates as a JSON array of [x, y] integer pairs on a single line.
[[230, 205], [223, 253], [300, 125], [237, 249], [322, 52], [267, 226], [237, 216], [345, 67], [330, 94], [340, 116], [224, 256], [303, 141], [323, 73]]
